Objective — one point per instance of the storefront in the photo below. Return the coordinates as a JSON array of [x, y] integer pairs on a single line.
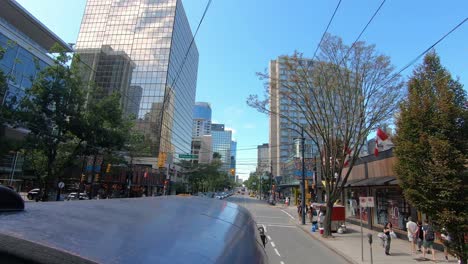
[[353, 209], [391, 207]]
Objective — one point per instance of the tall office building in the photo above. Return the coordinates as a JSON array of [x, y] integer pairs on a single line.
[[263, 159], [26, 42], [143, 49], [222, 145]]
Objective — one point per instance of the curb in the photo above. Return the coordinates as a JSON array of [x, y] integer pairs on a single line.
[[337, 251]]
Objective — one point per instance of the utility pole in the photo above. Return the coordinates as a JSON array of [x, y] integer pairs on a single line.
[[303, 175]]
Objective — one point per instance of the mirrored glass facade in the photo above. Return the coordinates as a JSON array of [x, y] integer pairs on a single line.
[[141, 48]]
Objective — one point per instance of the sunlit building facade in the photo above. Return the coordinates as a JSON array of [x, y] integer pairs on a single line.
[[144, 50]]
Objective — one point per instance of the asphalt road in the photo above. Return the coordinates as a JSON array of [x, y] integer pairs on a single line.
[[287, 243]]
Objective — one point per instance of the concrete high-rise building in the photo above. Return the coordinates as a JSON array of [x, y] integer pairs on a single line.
[[144, 50], [26, 43], [283, 147], [222, 145], [201, 119], [201, 133], [263, 159], [285, 129]]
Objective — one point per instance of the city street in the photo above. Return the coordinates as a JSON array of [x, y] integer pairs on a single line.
[[287, 243]]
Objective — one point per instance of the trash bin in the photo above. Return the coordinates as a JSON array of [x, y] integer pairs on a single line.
[[321, 231]]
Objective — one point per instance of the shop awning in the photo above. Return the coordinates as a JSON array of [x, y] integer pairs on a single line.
[[350, 182], [373, 181]]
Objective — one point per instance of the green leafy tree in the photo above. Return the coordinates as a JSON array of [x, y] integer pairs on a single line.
[[51, 109], [432, 150]]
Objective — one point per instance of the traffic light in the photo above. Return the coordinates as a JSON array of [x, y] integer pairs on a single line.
[[96, 179], [108, 168], [233, 172], [83, 177], [161, 159]]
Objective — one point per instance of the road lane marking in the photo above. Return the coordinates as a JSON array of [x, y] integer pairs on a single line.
[[273, 244], [282, 262], [288, 214], [277, 253], [269, 237], [265, 224], [291, 226], [264, 228]]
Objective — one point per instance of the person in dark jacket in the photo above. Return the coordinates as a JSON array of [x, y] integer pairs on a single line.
[[420, 235], [387, 229]]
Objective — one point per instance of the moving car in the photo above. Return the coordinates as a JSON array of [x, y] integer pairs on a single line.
[[33, 193]]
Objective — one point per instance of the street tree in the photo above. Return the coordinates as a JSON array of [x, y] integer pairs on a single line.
[[337, 99], [431, 145], [50, 109]]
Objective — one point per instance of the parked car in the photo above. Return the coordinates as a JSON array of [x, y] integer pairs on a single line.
[[32, 194]]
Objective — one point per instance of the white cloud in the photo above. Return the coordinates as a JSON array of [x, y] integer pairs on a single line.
[[231, 129], [250, 126]]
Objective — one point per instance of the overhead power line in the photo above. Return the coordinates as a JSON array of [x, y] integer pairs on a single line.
[[326, 29], [425, 51], [364, 29], [432, 46], [191, 43]]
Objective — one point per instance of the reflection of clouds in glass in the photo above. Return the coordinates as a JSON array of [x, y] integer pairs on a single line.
[[149, 32]]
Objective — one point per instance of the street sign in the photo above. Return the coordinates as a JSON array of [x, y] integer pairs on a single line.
[[363, 201], [61, 185], [366, 201], [188, 156]]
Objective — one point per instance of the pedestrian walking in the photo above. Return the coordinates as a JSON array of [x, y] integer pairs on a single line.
[[299, 210], [321, 216], [263, 237], [412, 229], [446, 239], [429, 237], [387, 230], [420, 235]]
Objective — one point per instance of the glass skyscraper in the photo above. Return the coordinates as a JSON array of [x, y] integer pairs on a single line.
[[221, 143], [26, 43], [144, 50]]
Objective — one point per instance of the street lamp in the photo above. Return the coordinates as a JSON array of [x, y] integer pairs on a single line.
[[303, 172]]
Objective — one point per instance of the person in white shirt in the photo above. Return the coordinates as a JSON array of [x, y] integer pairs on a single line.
[[412, 229]]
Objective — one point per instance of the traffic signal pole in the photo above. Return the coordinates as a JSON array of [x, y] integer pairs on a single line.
[[303, 176]]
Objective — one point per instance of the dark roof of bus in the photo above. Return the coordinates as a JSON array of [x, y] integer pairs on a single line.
[[140, 230]]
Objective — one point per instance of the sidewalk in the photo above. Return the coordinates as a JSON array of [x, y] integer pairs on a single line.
[[348, 245]]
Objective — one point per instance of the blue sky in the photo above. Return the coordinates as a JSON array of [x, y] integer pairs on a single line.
[[239, 37]]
